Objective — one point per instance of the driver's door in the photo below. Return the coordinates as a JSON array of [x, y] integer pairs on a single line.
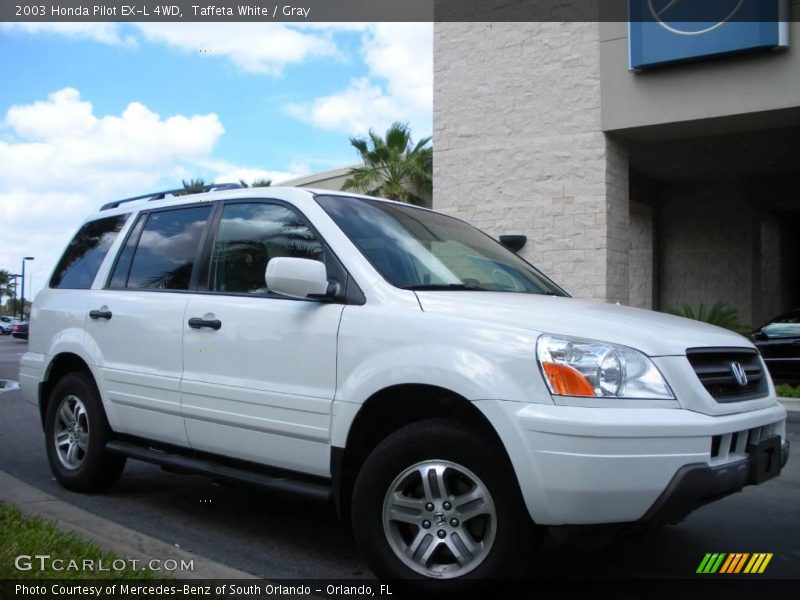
[[260, 386]]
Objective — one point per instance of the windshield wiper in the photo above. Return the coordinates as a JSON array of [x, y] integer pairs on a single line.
[[437, 287]]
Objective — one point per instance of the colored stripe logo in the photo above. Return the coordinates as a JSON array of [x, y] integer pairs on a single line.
[[734, 563]]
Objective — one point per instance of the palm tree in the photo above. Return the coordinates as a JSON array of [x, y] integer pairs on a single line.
[[394, 167], [193, 186], [5, 280], [256, 183]]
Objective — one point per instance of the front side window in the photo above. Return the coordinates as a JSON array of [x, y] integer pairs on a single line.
[[82, 258], [167, 248], [250, 235], [418, 249]]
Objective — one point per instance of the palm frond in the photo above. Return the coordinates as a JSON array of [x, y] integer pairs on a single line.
[[394, 167], [720, 314]]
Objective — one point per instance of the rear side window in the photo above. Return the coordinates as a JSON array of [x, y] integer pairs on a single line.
[[77, 268], [167, 249]]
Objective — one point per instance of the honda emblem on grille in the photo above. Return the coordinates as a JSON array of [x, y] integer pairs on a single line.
[[738, 373]]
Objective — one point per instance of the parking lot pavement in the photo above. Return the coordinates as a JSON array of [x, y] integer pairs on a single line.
[[11, 350], [281, 537], [109, 535]]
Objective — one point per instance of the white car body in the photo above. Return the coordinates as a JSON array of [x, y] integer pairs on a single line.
[[282, 382]]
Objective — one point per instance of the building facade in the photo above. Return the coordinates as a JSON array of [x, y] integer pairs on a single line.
[[653, 188]]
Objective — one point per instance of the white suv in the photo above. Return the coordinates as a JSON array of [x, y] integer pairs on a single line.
[[444, 393]]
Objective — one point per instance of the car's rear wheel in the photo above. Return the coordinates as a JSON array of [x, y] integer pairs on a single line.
[[437, 503], [76, 432]]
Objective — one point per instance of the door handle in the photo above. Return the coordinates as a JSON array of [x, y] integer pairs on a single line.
[[197, 323], [100, 314]]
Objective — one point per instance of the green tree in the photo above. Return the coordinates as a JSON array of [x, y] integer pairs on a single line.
[[256, 183], [193, 186], [394, 167], [5, 289]]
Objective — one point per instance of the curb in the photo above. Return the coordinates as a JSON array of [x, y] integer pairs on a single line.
[[108, 535], [791, 404]]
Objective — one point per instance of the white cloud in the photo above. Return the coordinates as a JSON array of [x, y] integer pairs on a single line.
[[233, 174], [399, 86], [254, 47], [265, 48], [402, 54], [78, 151], [105, 33], [59, 162], [356, 109], [398, 57]]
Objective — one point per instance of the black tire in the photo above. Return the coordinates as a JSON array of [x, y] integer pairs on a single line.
[[515, 540], [97, 469]]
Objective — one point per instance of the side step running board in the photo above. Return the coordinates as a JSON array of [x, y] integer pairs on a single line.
[[317, 491]]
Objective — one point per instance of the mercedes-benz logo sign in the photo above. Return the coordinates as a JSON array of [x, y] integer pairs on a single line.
[[675, 15], [739, 373]]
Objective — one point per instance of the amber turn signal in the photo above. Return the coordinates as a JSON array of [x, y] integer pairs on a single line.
[[567, 381]]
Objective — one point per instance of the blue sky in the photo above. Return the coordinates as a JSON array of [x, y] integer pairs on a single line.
[[94, 111]]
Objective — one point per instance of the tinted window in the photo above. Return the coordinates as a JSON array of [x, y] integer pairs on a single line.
[[167, 248], [784, 326], [119, 276], [250, 235], [82, 258]]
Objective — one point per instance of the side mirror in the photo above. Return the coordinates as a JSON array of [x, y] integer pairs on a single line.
[[760, 336], [513, 242], [296, 277]]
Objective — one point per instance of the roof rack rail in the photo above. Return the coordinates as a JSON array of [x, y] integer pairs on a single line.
[[176, 192]]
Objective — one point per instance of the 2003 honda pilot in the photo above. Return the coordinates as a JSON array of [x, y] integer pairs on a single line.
[[449, 397]]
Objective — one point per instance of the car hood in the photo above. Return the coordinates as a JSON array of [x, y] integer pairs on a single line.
[[654, 333]]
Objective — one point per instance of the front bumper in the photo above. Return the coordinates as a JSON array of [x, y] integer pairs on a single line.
[[31, 374], [696, 485], [613, 465]]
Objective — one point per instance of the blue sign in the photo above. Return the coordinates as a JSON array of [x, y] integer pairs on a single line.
[[662, 32]]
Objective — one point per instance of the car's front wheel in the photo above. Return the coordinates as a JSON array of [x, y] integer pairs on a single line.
[[76, 432], [437, 502]]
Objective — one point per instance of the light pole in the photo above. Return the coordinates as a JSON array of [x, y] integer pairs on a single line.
[[22, 291]]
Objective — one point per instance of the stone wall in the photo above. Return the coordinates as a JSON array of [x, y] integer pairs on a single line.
[[641, 256], [708, 235], [518, 148]]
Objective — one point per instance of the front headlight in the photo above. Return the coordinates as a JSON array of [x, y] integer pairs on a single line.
[[576, 367]]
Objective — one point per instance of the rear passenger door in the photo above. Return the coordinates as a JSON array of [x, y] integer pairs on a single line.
[[135, 325], [60, 310], [260, 377]]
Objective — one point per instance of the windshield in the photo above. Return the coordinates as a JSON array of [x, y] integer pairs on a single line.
[[418, 249]]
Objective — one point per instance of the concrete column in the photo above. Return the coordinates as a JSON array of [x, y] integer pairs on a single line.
[[518, 148]]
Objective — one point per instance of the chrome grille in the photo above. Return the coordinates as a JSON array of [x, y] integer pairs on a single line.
[[715, 370]]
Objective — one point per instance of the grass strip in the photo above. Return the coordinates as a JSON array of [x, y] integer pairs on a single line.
[[70, 557]]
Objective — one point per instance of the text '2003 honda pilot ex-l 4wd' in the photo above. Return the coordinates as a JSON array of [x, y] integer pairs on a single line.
[[443, 392]]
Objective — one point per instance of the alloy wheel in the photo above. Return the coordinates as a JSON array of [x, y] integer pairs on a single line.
[[439, 519], [71, 432]]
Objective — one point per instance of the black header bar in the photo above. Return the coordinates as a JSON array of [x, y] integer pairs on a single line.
[[323, 11]]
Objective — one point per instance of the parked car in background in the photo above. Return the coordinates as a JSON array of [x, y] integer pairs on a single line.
[[5, 328], [779, 343], [20, 330]]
